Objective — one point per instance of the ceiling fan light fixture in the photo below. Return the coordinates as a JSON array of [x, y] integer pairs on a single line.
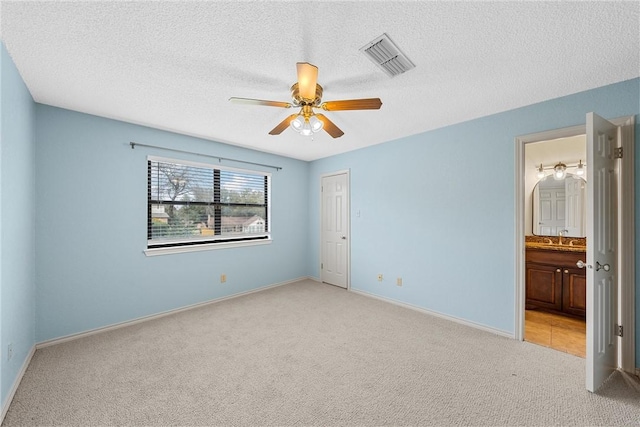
[[297, 123], [316, 124], [306, 128]]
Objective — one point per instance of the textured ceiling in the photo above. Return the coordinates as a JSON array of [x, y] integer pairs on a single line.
[[174, 65]]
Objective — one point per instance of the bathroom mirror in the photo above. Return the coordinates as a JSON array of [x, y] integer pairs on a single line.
[[559, 207]]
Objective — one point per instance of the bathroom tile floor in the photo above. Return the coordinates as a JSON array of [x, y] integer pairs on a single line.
[[558, 332]]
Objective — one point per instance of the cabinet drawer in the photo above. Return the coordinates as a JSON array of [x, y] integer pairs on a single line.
[[555, 258]]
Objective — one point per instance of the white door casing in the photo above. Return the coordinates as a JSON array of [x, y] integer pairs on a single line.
[[334, 267], [602, 263]]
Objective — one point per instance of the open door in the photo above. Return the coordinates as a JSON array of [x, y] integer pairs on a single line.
[[601, 251]]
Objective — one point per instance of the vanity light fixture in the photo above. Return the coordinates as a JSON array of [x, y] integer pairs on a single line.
[[559, 171]]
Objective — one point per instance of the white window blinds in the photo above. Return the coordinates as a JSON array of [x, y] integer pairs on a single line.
[[193, 203]]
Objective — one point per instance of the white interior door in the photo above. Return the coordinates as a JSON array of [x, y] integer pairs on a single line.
[[334, 266], [601, 251]]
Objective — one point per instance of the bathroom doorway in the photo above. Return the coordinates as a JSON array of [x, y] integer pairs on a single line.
[[555, 240], [619, 350]]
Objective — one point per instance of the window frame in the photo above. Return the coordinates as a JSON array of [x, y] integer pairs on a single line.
[[180, 245]]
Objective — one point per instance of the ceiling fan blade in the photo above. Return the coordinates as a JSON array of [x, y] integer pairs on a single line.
[[307, 79], [328, 125], [352, 104], [283, 125], [251, 101]]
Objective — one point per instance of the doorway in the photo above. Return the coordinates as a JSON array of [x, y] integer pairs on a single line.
[[554, 234], [335, 228], [624, 263]]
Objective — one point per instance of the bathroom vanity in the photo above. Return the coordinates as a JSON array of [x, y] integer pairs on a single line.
[[555, 244], [553, 280]]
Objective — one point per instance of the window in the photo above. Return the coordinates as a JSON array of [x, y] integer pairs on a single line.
[[193, 204]]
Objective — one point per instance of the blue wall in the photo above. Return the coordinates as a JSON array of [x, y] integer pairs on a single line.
[[17, 218], [438, 208], [91, 227]]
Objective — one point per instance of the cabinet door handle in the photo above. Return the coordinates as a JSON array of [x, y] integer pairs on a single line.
[[558, 270], [566, 271], [581, 264]]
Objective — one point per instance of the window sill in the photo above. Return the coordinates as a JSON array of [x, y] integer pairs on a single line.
[[204, 247]]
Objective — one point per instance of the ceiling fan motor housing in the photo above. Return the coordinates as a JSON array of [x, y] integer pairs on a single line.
[[300, 101]]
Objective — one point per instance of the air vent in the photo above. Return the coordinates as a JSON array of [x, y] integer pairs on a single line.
[[386, 55]]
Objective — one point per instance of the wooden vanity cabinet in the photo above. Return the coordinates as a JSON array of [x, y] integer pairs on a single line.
[[554, 283]]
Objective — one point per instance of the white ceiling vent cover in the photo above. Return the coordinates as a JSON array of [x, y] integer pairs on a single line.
[[386, 55]]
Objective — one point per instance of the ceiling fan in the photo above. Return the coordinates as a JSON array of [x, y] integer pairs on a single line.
[[307, 95]]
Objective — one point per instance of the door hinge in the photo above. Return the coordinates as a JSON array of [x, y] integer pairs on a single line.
[[619, 330], [321, 266], [618, 153]]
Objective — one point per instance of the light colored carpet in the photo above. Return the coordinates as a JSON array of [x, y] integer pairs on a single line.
[[311, 354]]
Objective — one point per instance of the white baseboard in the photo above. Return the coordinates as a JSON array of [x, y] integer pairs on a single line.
[[111, 327], [437, 314], [16, 383]]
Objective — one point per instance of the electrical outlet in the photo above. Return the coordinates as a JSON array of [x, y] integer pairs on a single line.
[[399, 281], [9, 351], [223, 278], [379, 277]]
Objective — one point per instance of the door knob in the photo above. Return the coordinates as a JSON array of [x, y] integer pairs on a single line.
[[344, 237], [581, 264], [605, 267]]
